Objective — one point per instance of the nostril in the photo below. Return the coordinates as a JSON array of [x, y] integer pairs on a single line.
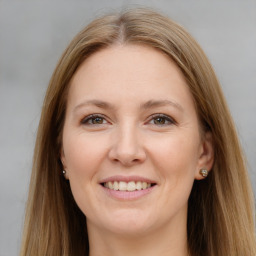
[[127, 151]]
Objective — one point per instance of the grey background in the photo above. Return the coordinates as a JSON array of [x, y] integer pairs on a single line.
[[33, 34]]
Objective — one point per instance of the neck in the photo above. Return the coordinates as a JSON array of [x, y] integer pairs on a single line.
[[165, 241]]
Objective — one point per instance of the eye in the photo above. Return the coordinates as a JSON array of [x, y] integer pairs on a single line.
[[161, 120], [94, 119]]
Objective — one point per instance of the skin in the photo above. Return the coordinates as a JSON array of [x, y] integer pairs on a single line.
[[129, 138]]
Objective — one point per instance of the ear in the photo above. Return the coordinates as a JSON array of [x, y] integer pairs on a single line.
[[206, 155], [64, 165]]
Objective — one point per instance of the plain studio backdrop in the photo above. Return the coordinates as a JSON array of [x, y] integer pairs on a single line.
[[33, 35]]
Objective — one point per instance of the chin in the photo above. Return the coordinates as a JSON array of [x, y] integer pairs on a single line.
[[131, 222]]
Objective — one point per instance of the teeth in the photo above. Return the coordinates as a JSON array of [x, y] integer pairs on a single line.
[[127, 186], [138, 185], [122, 186], [115, 185], [110, 185], [131, 186]]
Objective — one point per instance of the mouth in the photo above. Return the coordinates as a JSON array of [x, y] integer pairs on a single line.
[[129, 186]]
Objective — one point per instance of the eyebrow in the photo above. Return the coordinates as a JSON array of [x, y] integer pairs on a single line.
[[97, 103], [161, 103], [147, 105]]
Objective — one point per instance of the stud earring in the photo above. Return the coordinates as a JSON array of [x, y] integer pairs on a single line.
[[64, 172], [204, 172]]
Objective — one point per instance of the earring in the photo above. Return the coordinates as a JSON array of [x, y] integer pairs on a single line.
[[64, 172], [204, 172]]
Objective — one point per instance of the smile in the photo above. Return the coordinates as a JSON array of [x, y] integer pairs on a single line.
[[127, 186]]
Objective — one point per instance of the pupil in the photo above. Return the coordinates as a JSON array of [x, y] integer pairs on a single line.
[[97, 120], [159, 120]]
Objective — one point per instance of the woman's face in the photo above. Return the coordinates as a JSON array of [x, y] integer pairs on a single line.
[[131, 141]]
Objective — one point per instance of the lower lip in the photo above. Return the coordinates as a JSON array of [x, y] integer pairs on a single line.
[[128, 195]]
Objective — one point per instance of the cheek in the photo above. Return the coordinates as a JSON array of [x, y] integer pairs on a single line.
[[176, 160], [176, 163], [82, 154], [175, 151], [83, 157]]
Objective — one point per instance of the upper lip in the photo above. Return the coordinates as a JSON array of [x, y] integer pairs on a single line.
[[126, 179]]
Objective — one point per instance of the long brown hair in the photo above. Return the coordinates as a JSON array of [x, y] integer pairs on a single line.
[[220, 208]]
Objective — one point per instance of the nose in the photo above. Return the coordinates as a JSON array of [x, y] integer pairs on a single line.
[[127, 148]]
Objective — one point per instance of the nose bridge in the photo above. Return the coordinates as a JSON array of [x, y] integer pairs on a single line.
[[127, 147]]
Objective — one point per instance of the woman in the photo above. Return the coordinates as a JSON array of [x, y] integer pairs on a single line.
[[136, 150]]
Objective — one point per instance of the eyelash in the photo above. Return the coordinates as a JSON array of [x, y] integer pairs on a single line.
[[167, 118], [89, 119]]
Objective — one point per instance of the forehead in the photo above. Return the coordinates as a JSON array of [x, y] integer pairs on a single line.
[[129, 72]]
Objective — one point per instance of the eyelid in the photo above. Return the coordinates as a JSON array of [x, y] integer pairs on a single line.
[[85, 119], [170, 119]]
